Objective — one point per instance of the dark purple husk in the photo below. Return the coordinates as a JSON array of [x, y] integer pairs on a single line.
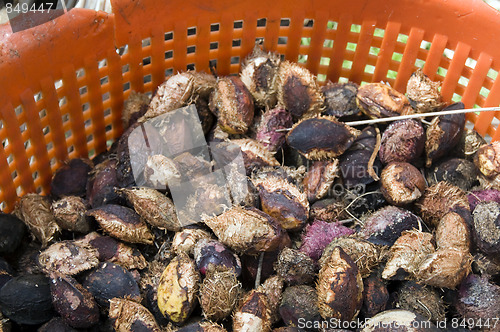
[[26, 299], [291, 156], [361, 205], [271, 121], [384, 226], [340, 99], [124, 174], [453, 127], [478, 298], [478, 196], [459, 172], [354, 162], [319, 234], [71, 179], [77, 306], [103, 156], [299, 302], [215, 253], [25, 259], [193, 327], [12, 231], [101, 186], [117, 211], [56, 324], [109, 280], [250, 265], [6, 272], [151, 303], [207, 118], [106, 247], [320, 134], [402, 140], [375, 295]]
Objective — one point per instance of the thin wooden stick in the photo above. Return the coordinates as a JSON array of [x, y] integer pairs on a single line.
[[421, 115], [412, 116], [259, 270], [374, 155]]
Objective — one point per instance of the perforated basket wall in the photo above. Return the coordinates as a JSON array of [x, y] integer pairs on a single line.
[[62, 84]]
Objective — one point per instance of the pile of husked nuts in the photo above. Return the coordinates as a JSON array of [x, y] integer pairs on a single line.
[[394, 225]]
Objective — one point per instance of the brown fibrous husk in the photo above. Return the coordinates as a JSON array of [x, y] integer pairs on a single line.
[[401, 183], [122, 223], [421, 299], [233, 104], [453, 232], [255, 154], [127, 314], [319, 179], [487, 159], [469, 144], [298, 91], [259, 74], [154, 207], [68, 258], [35, 211], [444, 268], [177, 91], [452, 260], [273, 288], [403, 140], [69, 212], [424, 93], [247, 230], [136, 104], [253, 313], [339, 287], [295, 267], [111, 250], [185, 240], [283, 201], [365, 254], [219, 293], [379, 100], [438, 200], [408, 252]]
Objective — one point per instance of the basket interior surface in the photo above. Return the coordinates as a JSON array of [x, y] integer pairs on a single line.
[[63, 83]]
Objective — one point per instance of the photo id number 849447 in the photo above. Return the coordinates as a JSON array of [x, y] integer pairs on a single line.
[[23, 8], [474, 323]]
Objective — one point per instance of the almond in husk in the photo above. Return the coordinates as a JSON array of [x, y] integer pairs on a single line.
[[247, 230], [321, 138], [122, 223], [68, 258], [154, 207]]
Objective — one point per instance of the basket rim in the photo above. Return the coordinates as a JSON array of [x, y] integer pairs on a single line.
[[22, 57], [35, 60]]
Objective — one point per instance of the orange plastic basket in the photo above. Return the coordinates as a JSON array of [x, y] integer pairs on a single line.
[[62, 84]]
